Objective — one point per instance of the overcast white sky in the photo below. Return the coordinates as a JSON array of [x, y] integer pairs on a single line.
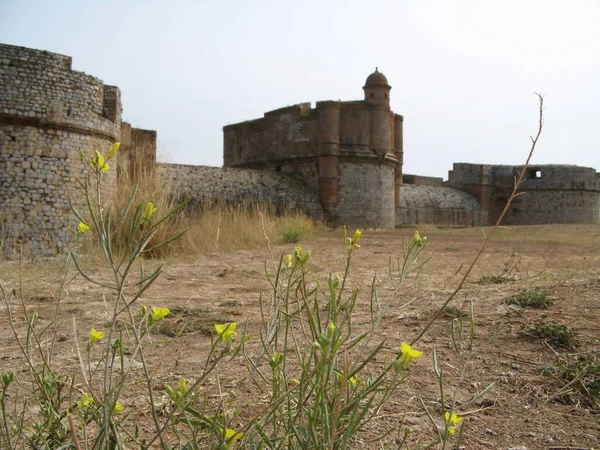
[[463, 72]]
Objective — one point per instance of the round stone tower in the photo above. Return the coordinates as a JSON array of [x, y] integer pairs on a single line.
[[48, 114]]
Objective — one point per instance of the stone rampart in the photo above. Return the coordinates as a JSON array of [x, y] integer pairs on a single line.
[[443, 206], [551, 193], [209, 184], [48, 113]]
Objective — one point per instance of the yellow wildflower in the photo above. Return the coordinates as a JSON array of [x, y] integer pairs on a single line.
[[159, 313], [352, 381], [408, 354], [100, 163], [114, 149], [301, 257], [232, 435], [95, 336], [226, 331], [82, 228], [451, 420], [419, 241], [288, 260], [178, 394], [150, 209], [183, 386], [352, 242], [118, 408], [86, 401]]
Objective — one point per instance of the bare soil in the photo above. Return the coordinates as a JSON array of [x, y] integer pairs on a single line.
[[525, 407]]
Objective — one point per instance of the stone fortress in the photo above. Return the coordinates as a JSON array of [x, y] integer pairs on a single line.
[[340, 162]]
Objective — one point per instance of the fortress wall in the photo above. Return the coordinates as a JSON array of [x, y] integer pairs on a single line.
[[366, 195], [203, 183], [443, 206], [279, 138], [536, 207], [551, 193], [420, 180], [454, 218], [307, 170], [137, 155], [48, 113], [355, 126]]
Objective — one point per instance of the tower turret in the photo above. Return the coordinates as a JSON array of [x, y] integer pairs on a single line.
[[377, 89]]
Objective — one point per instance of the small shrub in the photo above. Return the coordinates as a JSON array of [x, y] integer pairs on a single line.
[[559, 336], [583, 376], [495, 279], [294, 229], [531, 298]]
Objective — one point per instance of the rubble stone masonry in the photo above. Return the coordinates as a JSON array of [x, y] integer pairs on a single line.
[[48, 113]]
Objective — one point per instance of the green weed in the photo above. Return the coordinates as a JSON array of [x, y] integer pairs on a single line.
[[495, 279], [508, 274], [531, 298], [580, 376], [558, 336]]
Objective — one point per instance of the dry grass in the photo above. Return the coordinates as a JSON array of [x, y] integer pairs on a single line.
[[207, 227]]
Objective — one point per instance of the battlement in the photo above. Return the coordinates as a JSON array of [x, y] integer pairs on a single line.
[[538, 177], [39, 88]]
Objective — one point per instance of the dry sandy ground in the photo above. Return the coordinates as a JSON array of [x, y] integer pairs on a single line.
[[524, 408]]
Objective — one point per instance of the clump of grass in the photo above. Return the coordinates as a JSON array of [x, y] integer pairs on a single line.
[[189, 320], [495, 279], [207, 226], [581, 375], [531, 298], [557, 336], [508, 274], [294, 229], [452, 312]]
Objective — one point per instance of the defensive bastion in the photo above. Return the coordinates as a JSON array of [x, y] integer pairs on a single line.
[[341, 162]]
